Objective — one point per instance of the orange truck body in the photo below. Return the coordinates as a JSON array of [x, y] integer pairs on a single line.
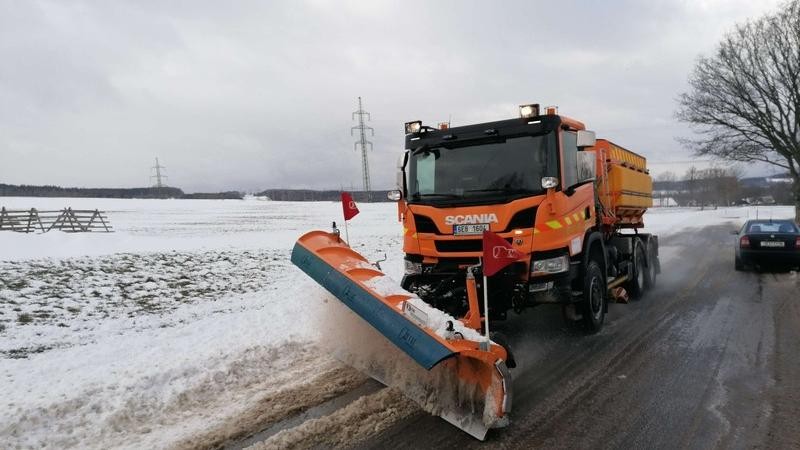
[[558, 221]]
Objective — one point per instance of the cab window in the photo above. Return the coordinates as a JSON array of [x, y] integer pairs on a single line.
[[569, 158]]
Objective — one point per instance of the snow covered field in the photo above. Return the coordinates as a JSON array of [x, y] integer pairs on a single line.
[[171, 331]]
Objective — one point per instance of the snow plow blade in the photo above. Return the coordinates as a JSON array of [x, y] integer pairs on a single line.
[[472, 387]]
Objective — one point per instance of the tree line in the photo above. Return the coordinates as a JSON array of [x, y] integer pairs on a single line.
[[308, 195], [11, 190], [719, 186]]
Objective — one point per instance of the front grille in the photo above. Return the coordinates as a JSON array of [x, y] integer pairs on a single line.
[[461, 245], [521, 219]]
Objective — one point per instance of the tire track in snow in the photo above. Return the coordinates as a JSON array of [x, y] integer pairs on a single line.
[[364, 417], [273, 407]]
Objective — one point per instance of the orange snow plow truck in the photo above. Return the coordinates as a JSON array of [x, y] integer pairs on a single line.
[[570, 204]]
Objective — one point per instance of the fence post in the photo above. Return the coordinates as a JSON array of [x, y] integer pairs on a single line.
[[72, 219], [89, 225], [100, 216], [39, 219], [30, 220], [60, 218]]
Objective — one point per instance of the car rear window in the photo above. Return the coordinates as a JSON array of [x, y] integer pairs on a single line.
[[772, 227]]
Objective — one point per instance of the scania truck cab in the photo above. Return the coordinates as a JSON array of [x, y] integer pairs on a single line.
[[571, 204]]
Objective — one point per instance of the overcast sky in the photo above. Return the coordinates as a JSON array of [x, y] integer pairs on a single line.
[[253, 95]]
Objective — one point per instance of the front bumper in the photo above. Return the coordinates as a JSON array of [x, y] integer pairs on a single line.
[[555, 288], [778, 257]]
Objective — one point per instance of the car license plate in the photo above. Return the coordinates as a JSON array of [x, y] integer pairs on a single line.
[[772, 243], [470, 229]]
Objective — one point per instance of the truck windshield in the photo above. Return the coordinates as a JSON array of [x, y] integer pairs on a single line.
[[512, 167]]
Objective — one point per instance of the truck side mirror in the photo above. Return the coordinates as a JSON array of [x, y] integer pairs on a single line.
[[587, 166], [586, 138], [400, 180]]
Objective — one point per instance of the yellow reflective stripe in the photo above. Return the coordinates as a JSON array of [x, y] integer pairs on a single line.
[[405, 231], [536, 230], [414, 236], [566, 219], [576, 217], [554, 224]]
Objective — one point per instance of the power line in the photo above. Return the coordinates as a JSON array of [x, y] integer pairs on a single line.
[[158, 176], [680, 161], [363, 142]]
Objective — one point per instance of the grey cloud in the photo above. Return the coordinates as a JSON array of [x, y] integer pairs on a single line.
[[249, 95]]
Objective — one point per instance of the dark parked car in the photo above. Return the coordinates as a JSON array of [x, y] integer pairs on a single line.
[[768, 242]]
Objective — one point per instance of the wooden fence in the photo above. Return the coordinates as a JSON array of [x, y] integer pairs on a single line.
[[68, 220]]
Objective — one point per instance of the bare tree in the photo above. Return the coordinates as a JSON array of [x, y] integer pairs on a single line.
[[667, 176], [692, 176], [744, 100]]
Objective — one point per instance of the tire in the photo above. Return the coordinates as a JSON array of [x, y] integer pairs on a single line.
[[651, 271], [501, 340], [635, 286], [593, 304], [738, 264]]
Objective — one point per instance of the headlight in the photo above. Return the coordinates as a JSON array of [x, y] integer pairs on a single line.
[[549, 182], [549, 266], [413, 268]]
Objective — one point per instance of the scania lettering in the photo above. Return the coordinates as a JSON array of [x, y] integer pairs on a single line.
[[470, 219]]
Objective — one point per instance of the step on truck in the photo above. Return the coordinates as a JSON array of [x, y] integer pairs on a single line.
[[570, 205]]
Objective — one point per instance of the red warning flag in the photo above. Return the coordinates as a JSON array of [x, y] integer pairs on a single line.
[[348, 206], [497, 253]]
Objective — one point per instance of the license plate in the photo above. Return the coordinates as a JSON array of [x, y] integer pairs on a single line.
[[470, 229], [772, 243]]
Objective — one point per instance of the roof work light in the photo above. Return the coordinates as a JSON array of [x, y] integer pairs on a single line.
[[528, 111], [413, 127]]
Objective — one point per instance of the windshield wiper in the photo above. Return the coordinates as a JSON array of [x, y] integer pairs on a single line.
[[434, 194], [505, 190]]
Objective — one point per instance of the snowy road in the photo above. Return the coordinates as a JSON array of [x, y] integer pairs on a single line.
[[710, 359], [189, 329]]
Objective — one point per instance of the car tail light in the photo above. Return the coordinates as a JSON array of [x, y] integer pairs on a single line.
[[744, 242], [797, 242]]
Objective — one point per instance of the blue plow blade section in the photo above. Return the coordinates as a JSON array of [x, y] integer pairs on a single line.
[[403, 333]]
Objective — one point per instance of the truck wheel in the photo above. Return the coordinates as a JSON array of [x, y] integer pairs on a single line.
[[635, 286], [593, 305], [650, 272], [501, 340]]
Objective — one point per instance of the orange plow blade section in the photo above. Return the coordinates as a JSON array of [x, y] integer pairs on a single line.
[[465, 379]]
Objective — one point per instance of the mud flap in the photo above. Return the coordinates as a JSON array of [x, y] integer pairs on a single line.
[[467, 386]]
